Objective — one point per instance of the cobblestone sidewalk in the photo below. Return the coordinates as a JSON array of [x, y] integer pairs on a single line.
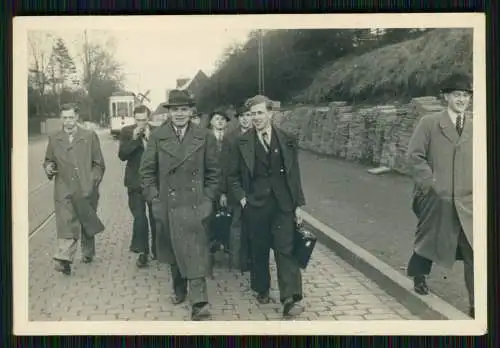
[[112, 288]]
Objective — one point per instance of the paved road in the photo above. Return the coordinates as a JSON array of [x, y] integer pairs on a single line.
[[112, 288], [373, 211]]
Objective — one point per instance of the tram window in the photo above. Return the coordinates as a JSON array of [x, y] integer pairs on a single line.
[[114, 109]]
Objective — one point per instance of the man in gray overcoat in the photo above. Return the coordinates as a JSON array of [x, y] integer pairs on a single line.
[[75, 160], [179, 174], [440, 159]]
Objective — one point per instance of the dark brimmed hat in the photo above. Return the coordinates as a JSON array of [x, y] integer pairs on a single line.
[[457, 82], [218, 112], [241, 110], [178, 97]]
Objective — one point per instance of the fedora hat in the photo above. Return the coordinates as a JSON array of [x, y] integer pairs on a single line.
[[241, 110], [218, 112], [178, 97], [457, 82]]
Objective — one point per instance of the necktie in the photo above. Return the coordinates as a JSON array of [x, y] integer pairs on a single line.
[[459, 124], [266, 141], [178, 131]]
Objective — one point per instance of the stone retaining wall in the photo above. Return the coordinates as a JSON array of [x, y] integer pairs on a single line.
[[376, 135]]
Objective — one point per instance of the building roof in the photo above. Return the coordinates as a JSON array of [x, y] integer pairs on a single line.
[[186, 83], [123, 94]]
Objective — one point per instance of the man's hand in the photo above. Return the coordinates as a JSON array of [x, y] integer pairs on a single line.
[[137, 132], [50, 169], [223, 200], [298, 216], [243, 202]]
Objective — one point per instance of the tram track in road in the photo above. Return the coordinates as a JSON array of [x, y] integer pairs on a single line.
[[40, 226], [48, 217]]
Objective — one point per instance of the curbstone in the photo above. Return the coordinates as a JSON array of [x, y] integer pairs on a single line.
[[429, 307]]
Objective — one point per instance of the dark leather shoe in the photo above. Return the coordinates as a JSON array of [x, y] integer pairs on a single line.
[[200, 312], [87, 259], [291, 308], [64, 267], [472, 313], [263, 298], [142, 261], [420, 285], [178, 299]]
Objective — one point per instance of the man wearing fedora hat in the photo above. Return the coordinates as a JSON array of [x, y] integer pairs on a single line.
[[440, 160], [217, 123], [264, 177], [180, 176], [239, 239]]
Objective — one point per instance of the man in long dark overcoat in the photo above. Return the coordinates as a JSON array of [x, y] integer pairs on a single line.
[[239, 237], [180, 176], [440, 159], [264, 177], [74, 160], [133, 141]]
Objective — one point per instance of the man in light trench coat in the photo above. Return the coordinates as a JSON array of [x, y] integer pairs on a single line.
[[440, 159], [180, 175], [75, 160]]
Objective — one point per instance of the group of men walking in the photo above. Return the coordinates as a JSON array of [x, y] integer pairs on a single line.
[[181, 173]]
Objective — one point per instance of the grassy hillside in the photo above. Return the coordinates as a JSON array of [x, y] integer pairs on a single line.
[[394, 73]]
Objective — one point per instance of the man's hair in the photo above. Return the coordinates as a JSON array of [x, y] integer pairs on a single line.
[[66, 107], [259, 99], [140, 109]]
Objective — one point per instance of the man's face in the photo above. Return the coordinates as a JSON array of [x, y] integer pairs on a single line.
[[180, 115], [458, 101], [218, 122], [245, 120], [261, 117], [141, 119], [69, 118], [195, 120]]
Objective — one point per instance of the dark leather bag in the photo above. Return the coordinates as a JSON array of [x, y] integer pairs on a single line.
[[304, 243]]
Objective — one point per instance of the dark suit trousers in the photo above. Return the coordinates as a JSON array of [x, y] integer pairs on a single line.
[[269, 226], [140, 232]]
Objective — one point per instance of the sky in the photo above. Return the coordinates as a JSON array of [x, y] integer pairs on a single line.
[[153, 58]]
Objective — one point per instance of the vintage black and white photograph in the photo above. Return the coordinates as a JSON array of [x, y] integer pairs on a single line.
[[313, 172]]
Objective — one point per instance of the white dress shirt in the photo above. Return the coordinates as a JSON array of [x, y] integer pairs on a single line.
[[180, 131], [268, 132], [219, 134], [453, 116], [147, 132]]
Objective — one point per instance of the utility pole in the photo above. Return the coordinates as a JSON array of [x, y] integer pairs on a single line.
[[261, 62]]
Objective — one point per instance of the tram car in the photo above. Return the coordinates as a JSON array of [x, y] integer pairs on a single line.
[[121, 111]]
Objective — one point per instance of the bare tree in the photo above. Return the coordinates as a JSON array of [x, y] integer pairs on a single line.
[[102, 74], [39, 44]]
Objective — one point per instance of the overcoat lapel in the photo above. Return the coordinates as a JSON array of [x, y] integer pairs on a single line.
[[180, 151], [467, 130], [247, 149], [447, 128]]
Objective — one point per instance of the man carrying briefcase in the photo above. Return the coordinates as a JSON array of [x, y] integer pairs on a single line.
[[264, 176]]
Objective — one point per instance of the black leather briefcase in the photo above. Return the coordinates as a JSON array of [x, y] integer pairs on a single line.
[[304, 243], [221, 227]]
